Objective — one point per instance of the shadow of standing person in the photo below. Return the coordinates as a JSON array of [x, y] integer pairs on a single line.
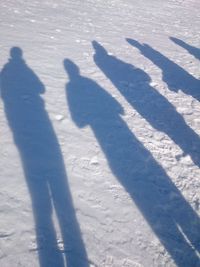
[[161, 203], [191, 49], [173, 75], [134, 84], [42, 163]]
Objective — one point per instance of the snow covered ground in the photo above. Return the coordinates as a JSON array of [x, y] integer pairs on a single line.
[[99, 133]]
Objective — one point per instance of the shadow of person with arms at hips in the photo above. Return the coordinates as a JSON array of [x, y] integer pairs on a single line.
[[161, 203], [43, 164]]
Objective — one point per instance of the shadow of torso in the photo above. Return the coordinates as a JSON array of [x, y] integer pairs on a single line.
[[142, 177], [43, 165]]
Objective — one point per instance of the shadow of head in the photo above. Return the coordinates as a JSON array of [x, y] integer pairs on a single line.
[[99, 48], [71, 68], [16, 53]]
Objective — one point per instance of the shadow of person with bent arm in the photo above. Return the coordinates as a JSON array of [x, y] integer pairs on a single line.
[[170, 216], [173, 75], [42, 163]]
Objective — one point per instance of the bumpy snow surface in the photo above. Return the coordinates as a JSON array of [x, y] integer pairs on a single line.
[[100, 133]]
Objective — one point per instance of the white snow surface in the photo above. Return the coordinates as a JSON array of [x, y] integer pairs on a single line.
[[99, 133]]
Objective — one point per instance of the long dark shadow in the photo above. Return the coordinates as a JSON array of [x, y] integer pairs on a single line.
[[170, 216], [191, 49], [42, 163], [134, 84], [174, 76]]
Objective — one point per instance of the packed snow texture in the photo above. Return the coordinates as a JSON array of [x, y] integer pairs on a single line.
[[100, 133]]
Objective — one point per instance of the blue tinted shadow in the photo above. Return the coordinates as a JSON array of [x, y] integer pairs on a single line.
[[42, 163], [191, 49], [161, 203], [173, 75]]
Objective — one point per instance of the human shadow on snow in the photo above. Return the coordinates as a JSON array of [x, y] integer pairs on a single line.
[[42, 163], [134, 84], [170, 216], [173, 75], [191, 49]]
